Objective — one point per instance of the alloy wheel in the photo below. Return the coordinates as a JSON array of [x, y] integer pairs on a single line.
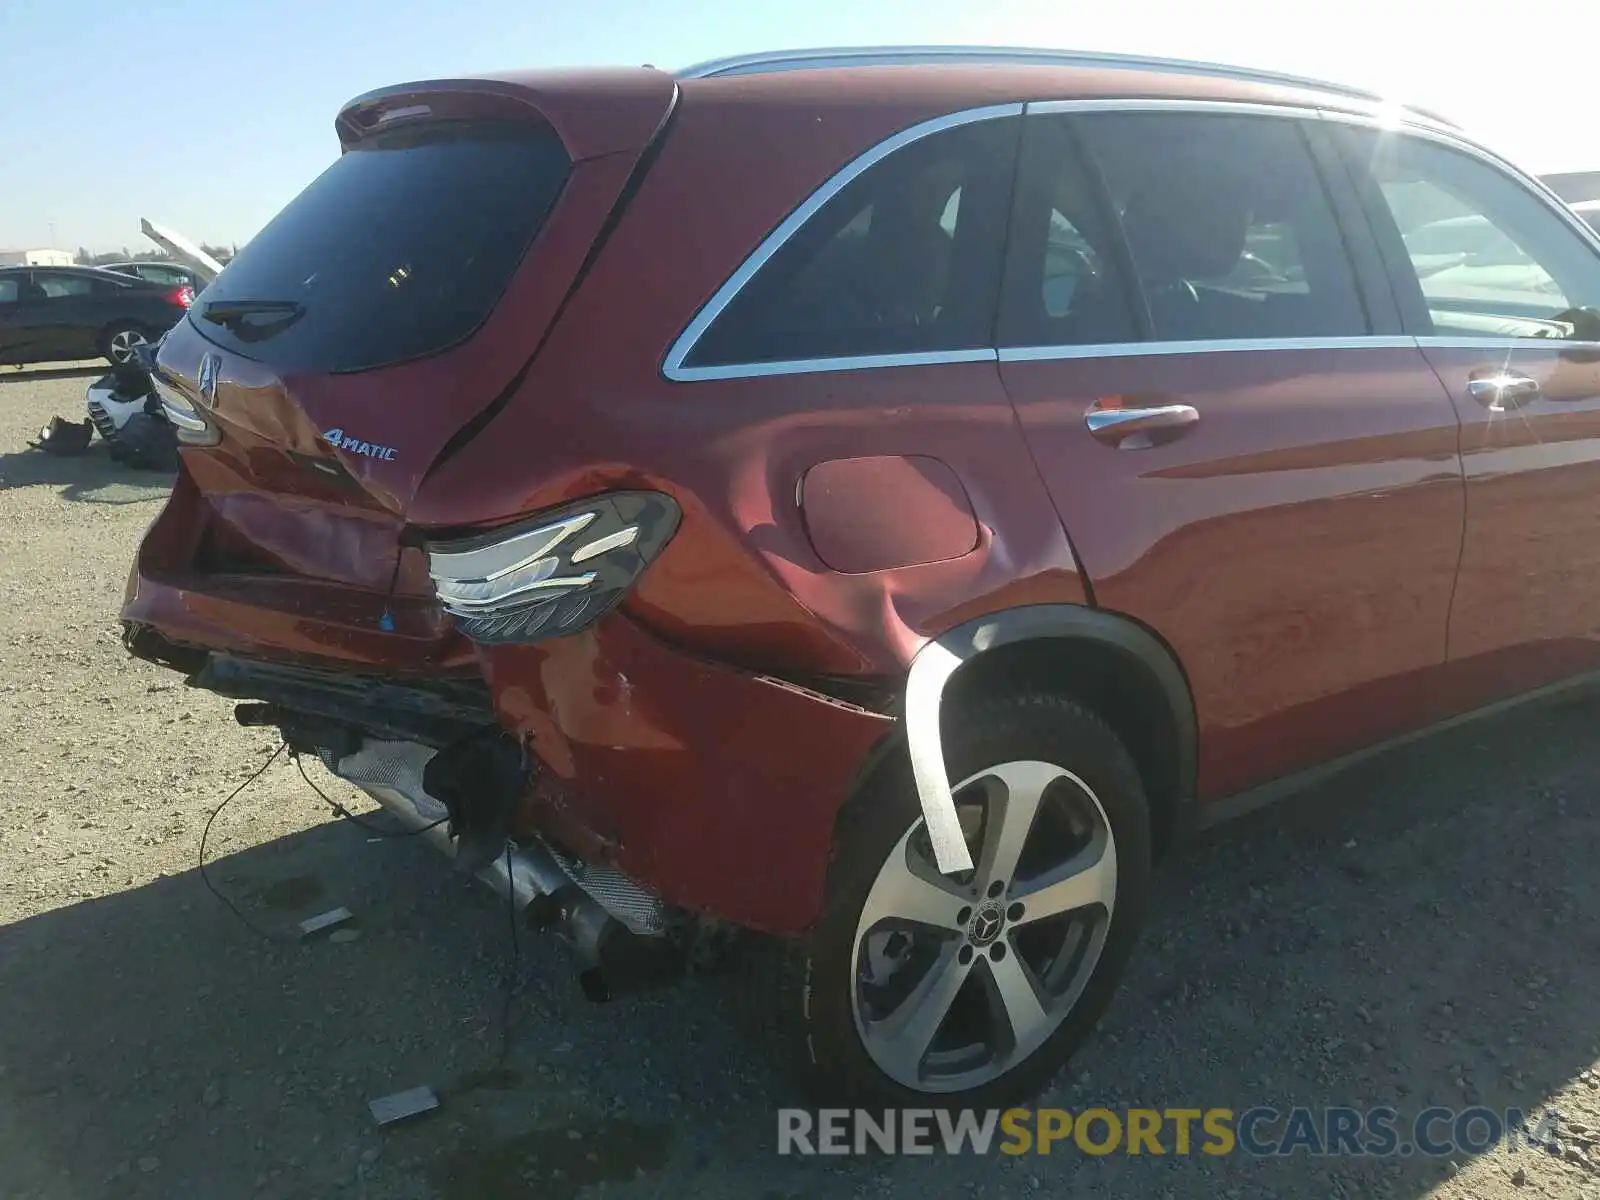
[[958, 979], [124, 343]]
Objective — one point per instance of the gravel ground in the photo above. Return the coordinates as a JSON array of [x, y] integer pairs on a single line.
[[1425, 931]]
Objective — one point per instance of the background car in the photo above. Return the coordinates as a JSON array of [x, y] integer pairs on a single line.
[[169, 273], [1589, 210], [58, 314]]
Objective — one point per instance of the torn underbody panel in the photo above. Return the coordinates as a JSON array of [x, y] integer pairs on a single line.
[[622, 936], [463, 800]]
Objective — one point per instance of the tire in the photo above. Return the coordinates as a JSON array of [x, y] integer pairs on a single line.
[[118, 341], [1095, 806]]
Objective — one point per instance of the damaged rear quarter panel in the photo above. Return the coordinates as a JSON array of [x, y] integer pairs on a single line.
[[718, 788], [742, 580], [713, 786]]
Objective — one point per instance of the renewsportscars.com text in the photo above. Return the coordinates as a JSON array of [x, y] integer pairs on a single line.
[[1259, 1131]]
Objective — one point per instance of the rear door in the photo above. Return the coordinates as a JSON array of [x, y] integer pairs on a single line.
[[1248, 455], [69, 316], [1502, 286]]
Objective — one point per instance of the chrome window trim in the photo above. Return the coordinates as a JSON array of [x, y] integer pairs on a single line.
[[1505, 343], [1291, 112], [1407, 122], [672, 367], [856, 362], [1202, 346]]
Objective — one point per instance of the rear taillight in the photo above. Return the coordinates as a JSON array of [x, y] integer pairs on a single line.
[[554, 575], [182, 296]]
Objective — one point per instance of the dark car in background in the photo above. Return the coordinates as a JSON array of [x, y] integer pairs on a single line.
[[59, 314], [169, 273]]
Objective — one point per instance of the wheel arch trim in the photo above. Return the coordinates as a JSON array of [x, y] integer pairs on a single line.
[[938, 660]]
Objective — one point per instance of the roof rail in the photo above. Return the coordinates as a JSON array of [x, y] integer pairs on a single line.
[[895, 56]]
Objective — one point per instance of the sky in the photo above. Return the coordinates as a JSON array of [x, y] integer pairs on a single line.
[[209, 115]]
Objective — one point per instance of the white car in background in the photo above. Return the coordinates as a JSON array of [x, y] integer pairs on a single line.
[[1589, 210]]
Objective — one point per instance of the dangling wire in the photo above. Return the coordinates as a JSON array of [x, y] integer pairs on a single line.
[[206, 833]]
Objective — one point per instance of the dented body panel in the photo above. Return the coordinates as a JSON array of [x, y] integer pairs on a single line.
[[685, 770], [836, 523]]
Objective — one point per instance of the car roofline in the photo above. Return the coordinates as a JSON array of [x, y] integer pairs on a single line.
[[771, 61]]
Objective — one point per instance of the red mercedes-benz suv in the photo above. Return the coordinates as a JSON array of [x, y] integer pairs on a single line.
[[879, 498]]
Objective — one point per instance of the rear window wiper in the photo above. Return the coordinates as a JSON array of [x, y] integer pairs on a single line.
[[239, 317], [225, 312]]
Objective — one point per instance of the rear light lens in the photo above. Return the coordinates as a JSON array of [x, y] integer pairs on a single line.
[[554, 575], [182, 296]]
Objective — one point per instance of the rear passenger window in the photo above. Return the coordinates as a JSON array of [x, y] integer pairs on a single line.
[[904, 259], [1229, 229], [65, 285]]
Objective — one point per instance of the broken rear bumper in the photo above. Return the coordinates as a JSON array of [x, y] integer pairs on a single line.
[[713, 787]]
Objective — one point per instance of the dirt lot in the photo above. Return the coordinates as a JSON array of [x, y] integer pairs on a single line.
[[1426, 931]]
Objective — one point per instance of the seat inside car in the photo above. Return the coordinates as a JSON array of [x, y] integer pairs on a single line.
[[1181, 237], [1222, 252]]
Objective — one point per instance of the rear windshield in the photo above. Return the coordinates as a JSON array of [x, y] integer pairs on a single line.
[[398, 250]]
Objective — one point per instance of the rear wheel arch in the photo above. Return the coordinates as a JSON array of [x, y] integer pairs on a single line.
[[1113, 665]]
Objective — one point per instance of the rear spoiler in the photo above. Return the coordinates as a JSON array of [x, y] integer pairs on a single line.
[[181, 249]]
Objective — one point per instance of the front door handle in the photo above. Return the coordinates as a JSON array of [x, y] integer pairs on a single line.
[[1136, 428], [1503, 390]]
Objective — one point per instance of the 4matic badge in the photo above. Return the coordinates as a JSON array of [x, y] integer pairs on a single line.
[[340, 440]]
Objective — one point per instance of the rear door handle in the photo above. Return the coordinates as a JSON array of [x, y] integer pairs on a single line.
[[1503, 391], [1136, 428]]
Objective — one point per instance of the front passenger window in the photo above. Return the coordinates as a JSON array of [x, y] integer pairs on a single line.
[[1490, 258]]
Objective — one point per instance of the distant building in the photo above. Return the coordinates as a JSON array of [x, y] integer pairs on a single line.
[[36, 258]]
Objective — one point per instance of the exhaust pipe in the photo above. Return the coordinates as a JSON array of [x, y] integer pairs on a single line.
[[522, 874]]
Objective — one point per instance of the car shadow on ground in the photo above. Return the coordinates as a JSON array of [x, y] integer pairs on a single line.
[[55, 371], [1417, 932], [92, 477]]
